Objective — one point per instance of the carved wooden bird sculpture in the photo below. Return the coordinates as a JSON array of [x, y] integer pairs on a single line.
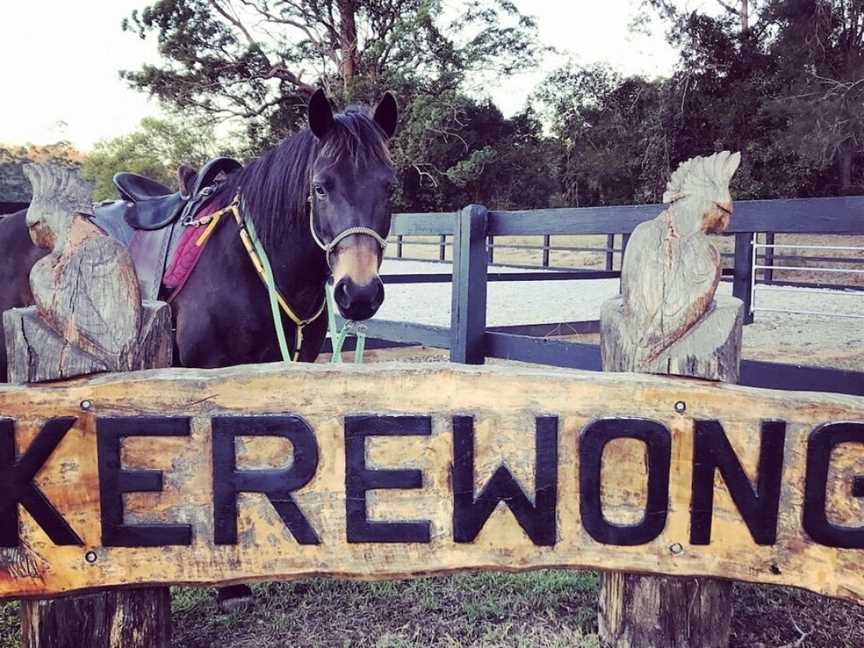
[[671, 269], [85, 289]]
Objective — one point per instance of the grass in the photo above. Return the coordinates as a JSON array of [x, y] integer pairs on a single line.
[[542, 608], [539, 609]]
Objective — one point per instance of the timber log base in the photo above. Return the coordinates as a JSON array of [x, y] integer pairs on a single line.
[[711, 349], [664, 611], [37, 353], [139, 618], [135, 618]]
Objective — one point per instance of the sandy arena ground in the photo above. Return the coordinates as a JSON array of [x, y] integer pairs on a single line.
[[826, 339]]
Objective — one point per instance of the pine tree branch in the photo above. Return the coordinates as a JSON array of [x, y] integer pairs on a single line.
[[729, 7]]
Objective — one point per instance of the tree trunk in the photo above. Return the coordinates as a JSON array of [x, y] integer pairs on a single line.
[[137, 618], [348, 45], [664, 611], [846, 155], [85, 322], [745, 15], [126, 619]]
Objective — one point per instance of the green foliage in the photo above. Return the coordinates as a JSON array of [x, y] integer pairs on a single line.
[[607, 129], [156, 150], [780, 80], [244, 60]]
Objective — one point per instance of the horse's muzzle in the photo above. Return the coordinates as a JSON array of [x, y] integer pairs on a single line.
[[358, 302]]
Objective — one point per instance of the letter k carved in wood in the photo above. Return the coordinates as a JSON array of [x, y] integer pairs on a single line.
[[17, 486]]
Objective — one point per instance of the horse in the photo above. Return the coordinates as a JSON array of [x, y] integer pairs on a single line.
[[319, 203]]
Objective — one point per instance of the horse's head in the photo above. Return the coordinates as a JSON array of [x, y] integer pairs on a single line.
[[351, 182], [701, 187]]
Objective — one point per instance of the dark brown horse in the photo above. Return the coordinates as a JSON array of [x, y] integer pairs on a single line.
[[320, 204]]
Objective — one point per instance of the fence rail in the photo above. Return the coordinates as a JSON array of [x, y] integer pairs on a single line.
[[469, 231]]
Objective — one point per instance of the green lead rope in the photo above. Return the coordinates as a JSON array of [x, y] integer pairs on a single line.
[[271, 291], [338, 336]]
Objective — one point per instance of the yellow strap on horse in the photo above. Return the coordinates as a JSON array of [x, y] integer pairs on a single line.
[[258, 256]]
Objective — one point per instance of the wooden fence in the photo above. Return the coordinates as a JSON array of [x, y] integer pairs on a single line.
[[470, 340]]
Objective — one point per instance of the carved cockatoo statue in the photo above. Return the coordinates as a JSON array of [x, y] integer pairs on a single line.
[[85, 289], [671, 268]]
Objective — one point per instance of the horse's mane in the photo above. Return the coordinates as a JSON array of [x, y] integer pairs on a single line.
[[275, 186]]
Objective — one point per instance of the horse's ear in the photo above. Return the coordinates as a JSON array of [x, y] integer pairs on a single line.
[[387, 114], [186, 178], [320, 114]]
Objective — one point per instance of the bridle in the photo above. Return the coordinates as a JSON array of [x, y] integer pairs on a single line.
[[258, 257], [349, 231]]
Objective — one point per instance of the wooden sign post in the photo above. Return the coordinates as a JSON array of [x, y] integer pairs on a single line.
[[269, 472], [88, 318], [668, 321]]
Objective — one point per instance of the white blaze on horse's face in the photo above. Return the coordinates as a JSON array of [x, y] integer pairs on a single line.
[[350, 188]]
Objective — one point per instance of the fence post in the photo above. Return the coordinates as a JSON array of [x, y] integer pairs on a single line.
[[399, 247], [442, 247], [547, 241], [491, 249], [742, 283], [769, 257], [468, 312], [610, 254], [100, 325]]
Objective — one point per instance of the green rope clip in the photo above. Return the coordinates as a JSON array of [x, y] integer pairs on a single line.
[[338, 336]]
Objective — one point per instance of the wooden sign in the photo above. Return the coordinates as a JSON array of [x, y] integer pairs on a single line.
[[272, 472]]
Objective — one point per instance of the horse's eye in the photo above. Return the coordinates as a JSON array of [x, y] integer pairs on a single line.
[[319, 190]]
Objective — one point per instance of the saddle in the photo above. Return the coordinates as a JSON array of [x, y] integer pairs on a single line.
[[154, 206], [150, 218]]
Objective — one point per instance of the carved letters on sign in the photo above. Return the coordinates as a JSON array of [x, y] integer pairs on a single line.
[[212, 476]]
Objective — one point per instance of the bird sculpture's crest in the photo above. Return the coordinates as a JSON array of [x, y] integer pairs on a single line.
[[705, 176], [671, 269], [59, 192]]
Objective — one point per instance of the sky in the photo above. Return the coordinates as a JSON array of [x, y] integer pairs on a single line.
[[60, 62]]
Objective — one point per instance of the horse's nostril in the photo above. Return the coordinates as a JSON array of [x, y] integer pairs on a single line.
[[378, 299], [342, 294]]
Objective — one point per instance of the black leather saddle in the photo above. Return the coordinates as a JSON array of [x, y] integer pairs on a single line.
[[153, 206], [148, 218]]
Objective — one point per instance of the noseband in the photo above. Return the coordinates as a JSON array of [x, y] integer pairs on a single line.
[[350, 231]]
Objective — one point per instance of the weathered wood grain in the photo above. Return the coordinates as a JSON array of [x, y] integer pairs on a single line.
[[671, 268], [711, 349], [504, 403], [639, 611], [88, 317], [36, 352], [139, 618]]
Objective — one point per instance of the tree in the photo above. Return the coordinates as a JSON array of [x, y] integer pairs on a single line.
[[611, 133], [781, 80], [156, 150], [820, 52], [258, 61]]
